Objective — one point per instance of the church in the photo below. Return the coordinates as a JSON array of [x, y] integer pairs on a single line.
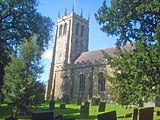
[[76, 73]]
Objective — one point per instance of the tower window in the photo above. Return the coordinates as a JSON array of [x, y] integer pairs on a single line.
[[101, 82], [82, 82], [65, 29], [60, 30], [82, 30], [65, 83], [77, 29]]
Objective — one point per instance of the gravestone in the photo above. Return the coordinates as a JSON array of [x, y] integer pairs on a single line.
[[102, 106], [84, 111], [11, 118], [158, 113], [52, 105], [79, 101], [107, 116], [146, 113], [135, 114], [42, 116], [62, 106]]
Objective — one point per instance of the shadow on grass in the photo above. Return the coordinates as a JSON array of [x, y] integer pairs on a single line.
[[4, 111], [93, 117]]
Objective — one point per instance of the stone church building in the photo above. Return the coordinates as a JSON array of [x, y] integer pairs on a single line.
[[77, 73]]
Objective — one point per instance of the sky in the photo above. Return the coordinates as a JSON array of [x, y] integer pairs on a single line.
[[97, 39]]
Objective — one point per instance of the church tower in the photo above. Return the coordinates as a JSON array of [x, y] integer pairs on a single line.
[[71, 39]]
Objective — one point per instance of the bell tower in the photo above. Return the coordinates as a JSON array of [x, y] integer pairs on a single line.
[[71, 39]]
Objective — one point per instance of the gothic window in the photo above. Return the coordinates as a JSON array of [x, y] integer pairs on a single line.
[[77, 28], [60, 30], [82, 31], [65, 29], [101, 82], [82, 82], [65, 83]]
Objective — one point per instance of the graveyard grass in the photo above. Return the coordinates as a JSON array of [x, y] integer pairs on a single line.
[[73, 111]]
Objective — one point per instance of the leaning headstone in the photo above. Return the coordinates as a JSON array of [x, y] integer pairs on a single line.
[[42, 116], [62, 106], [102, 106], [11, 118], [135, 114], [52, 105], [146, 113], [84, 111], [107, 116], [79, 101]]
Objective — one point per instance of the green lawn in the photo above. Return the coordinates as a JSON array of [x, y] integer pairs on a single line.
[[73, 111]]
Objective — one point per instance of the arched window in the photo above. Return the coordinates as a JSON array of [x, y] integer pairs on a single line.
[[77, 28], [101, 82], [82, 82], [65, 29], [65, 83], [60, 30], [82, 31]]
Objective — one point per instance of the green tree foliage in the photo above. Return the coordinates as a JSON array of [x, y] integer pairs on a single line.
[[20, 86], [19, 19], [137, 72]]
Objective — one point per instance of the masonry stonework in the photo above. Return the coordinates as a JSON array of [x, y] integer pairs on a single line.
[[77, 73]]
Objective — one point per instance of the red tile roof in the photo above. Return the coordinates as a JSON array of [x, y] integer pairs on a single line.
[[98, 54]]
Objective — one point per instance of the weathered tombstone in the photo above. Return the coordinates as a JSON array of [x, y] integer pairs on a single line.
[[158, 113], [84, 111], [102, 106], [79, 101], [42, 116], [146, 113], [52, 105], [107, 116], [135, 114], [11, 118], [62, 106]]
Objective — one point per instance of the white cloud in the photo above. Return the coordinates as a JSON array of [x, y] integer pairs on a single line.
[[48, 54]]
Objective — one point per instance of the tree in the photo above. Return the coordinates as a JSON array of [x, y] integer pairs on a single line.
[[130, 20], [19, 19], [20, 85], [136, 72]]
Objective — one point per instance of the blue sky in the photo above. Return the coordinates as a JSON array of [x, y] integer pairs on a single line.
[[97, 39]]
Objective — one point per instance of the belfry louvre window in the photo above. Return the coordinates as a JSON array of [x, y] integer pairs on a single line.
[[60, 30], [82, 31], [101, 82], [65, 29], [82, 82], [77, 29]]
